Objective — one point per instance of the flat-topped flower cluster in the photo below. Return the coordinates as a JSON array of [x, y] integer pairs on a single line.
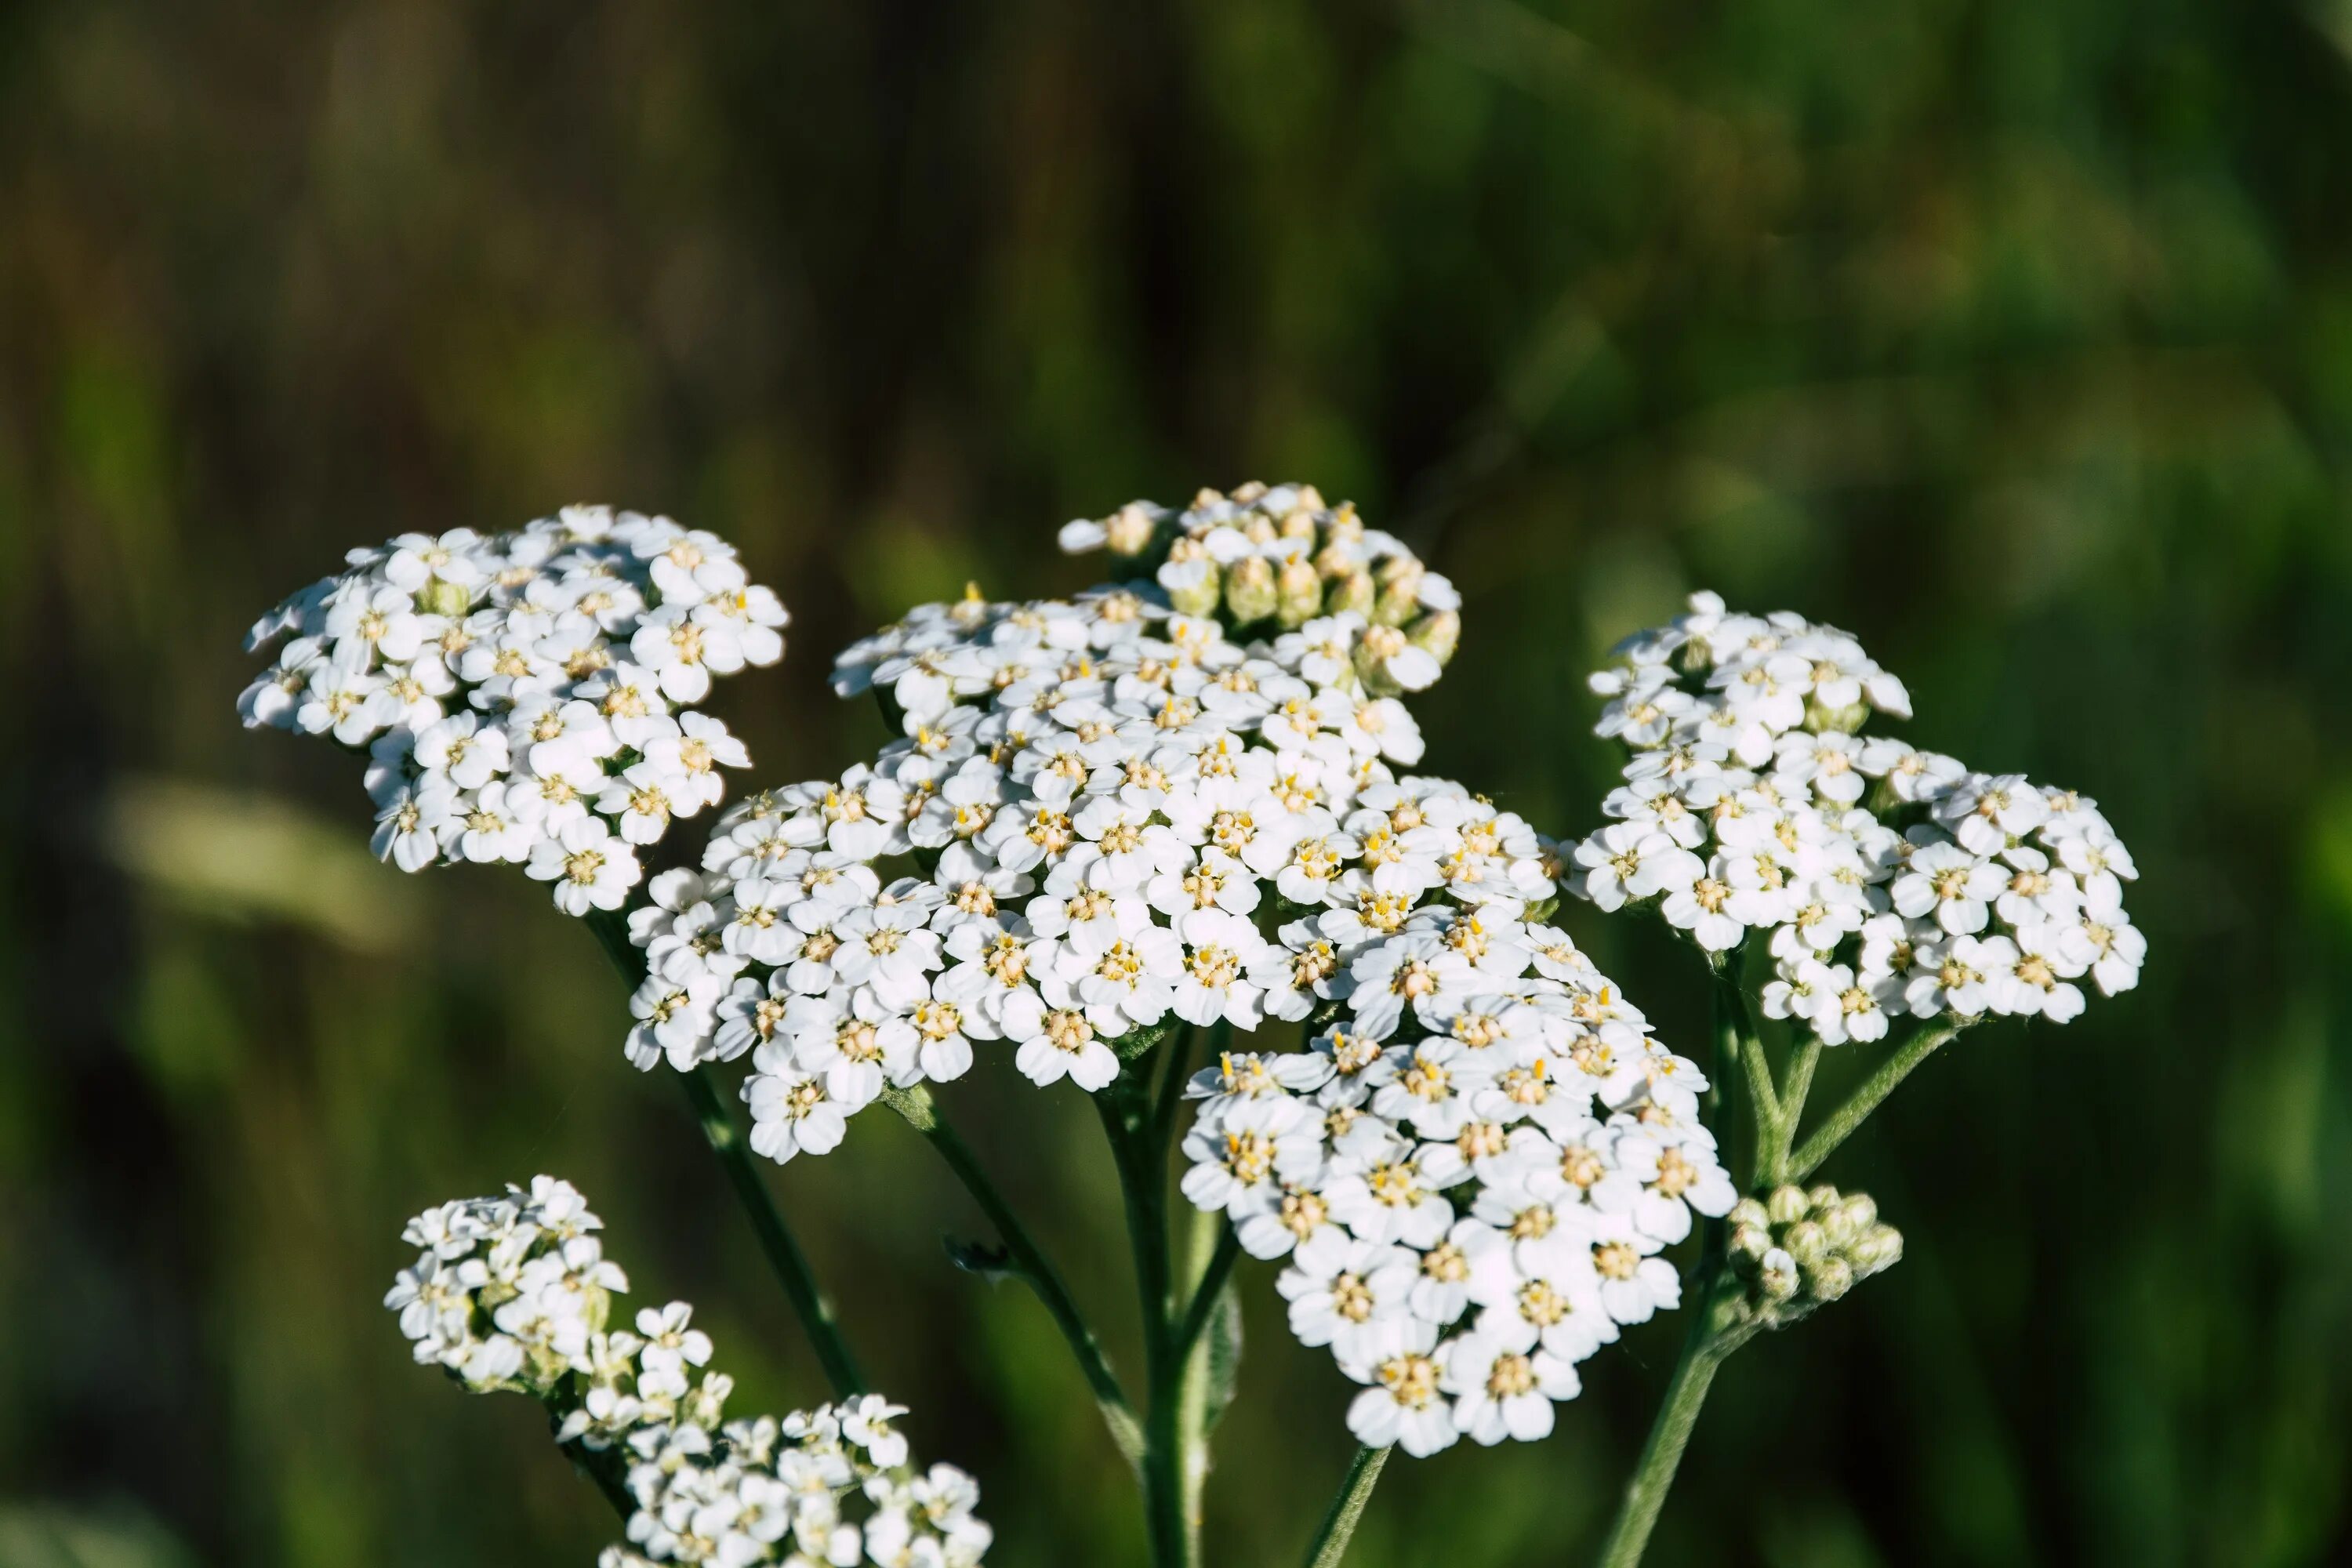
[[1109, 813], [1891, 881], [1472, 1174], [526, 697], [514, 1293]]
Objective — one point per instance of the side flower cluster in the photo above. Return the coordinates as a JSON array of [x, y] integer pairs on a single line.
[[1472, 1174], [526, 697], [1275, 558], [1889, 881], [514, 1293], [1799, 1248], [1103, 816]]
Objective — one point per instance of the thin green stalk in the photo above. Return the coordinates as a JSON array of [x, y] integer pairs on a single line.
[[1130, 1122], [1211, 1279], [1791, 1109], [1840, 1124], [1338, 1527], [776, 1239], [725, 1140], [1209, 1266], [922, 1113], [1637, 1513]]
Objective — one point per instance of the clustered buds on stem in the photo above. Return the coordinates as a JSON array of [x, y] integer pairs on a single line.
[[514, 1293], [1798, 1248], [1274, 558]]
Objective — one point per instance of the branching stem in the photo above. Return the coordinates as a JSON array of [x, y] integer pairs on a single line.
[[922, 1113], [776, 1239]]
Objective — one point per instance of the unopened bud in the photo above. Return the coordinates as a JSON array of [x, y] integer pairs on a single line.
[[1830, 1278], [1298, 594], [1192, 584], [1748, 1211], [1806, 1241], [442, 597], [1399, 594], [1786, 1205], [1879, 1248], [1246, 494], [1749, 1242], [1129, 531], [1259, 529], [1298, 522], [1840, 720], [1437, 634], [1350, 591], [1344, 526], [1250, 589]]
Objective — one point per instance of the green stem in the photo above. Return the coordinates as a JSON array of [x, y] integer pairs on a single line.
[[785, 1254], [922, 1113], [1330, 1542], [1661, 1455], [1213, 1276], [1791, 1109], [1841, 1122], [1130, 1123], [1209, 1266], [776, 1239]]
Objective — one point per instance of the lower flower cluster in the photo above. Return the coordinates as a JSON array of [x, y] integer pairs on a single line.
[[514, 1293], [1472, 1175]]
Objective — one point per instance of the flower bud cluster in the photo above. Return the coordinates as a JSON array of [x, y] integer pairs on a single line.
[[1267, 560], [1472, 1174], [1102, 815], [1798, 1248], [514, 1293], [526, 697], [1891, 880]]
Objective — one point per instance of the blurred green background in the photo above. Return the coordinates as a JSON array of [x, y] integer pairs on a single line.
[[2015, 335]]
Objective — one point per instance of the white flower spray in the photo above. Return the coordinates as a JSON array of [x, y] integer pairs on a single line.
[[514, 1293], [1177, 810]]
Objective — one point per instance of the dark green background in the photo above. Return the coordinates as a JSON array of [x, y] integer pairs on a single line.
[[2015, 335]]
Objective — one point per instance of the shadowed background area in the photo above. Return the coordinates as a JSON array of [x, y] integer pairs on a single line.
[[2014, 336]]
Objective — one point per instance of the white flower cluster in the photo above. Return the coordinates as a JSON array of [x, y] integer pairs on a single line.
[[1472, 1174], [1892, 881], [514, 1293], [1104, 808], [1274, 558], [526, 697]]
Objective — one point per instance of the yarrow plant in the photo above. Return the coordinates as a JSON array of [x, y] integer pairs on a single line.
[[1169, 841]]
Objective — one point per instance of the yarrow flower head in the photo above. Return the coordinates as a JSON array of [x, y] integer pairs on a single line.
[[1472, 1174], [1885, 881], [526, 697], [514, 1293], [1103, 817], [1278, 562]]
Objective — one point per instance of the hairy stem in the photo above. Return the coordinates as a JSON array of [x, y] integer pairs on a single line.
[[725, 1140], [1840, 1124], [1661, 1455], [923, 1114], [1338, 1527], [1791, 1109], [1209, 1266]]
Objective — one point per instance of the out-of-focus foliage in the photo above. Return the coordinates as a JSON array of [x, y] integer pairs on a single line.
[[2015, 335]]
